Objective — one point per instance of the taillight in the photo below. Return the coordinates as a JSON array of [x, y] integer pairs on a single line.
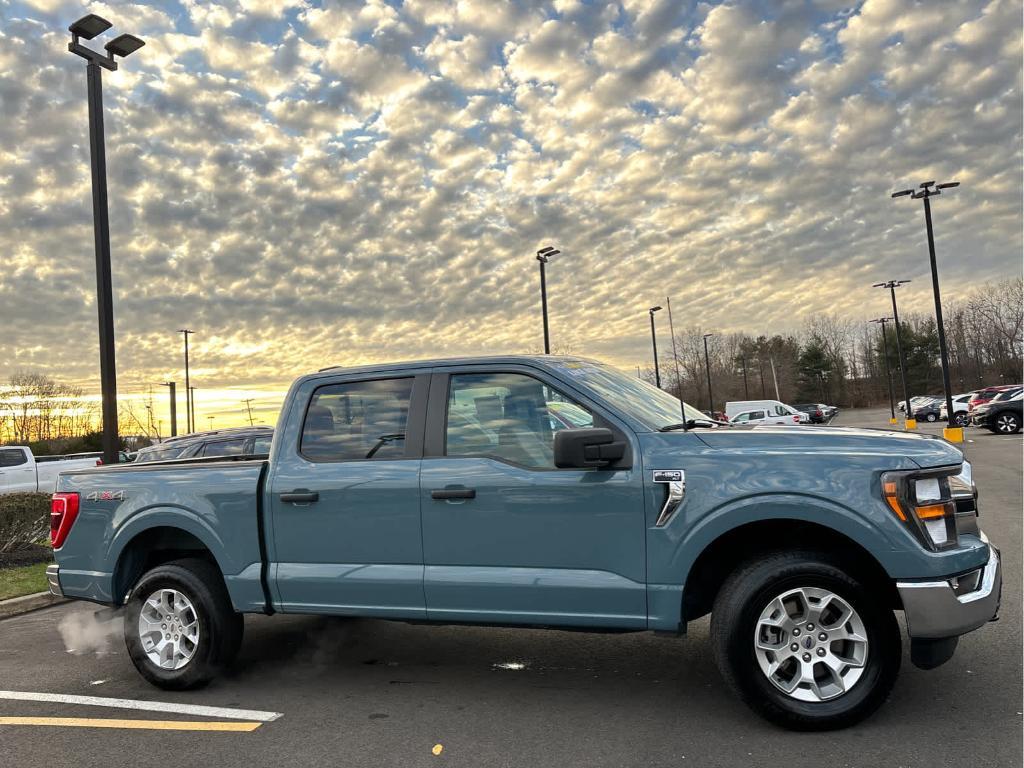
[[796, 419], [99, 462], [63, 511]]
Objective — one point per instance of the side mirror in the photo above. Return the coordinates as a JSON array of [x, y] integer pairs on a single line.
[[583, 448]]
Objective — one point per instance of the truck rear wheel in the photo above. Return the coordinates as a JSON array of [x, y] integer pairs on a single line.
[[179, 626], [804, 643]]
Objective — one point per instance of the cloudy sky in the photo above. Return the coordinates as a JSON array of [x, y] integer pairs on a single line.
[[352, 182]]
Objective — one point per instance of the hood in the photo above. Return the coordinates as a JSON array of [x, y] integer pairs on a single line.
[[923, 450]]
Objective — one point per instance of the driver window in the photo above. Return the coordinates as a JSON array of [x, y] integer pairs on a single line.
[[509, 416]]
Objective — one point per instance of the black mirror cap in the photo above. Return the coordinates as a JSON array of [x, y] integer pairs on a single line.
[[585, 448]]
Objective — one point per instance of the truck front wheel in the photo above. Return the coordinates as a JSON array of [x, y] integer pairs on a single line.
[[179, 626], [803, 642]]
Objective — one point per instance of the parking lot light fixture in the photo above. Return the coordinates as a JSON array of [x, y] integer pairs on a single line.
[[87, 28], [909, 422], [544, 257], [925, 192], [888, 374], [707, 368], [654, 344]]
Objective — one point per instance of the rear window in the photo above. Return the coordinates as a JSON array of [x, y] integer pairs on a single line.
[[357, 420], [158, 455], [225, 448]]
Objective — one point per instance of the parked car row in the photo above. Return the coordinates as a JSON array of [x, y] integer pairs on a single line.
[[996, 408], [777, 412]]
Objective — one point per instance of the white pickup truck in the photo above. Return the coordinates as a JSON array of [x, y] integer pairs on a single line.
[[22, 472]]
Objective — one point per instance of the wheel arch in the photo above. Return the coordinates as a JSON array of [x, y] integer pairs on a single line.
[[729, 548], [153, 546]]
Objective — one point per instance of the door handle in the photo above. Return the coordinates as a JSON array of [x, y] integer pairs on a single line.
[[454, 493], [300, 497]]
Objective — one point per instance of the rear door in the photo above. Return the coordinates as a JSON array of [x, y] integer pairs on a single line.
[[509, 538], [344, 498]]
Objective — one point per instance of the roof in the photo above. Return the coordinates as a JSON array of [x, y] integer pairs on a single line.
[[542, 360]]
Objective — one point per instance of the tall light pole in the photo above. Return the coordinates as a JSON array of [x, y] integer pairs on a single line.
[[192, 398], [544, 257], [925, 192], [654, 344], [707, 368], [87, 28], [908, 417], [743, 364], [888, 374], [173, 387], [189, 415]]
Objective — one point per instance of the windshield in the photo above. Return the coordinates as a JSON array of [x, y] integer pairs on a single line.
[[635, 397]]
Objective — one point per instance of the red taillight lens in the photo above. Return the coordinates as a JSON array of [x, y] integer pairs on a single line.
[[99, 462], [796, 419], [63, 511]]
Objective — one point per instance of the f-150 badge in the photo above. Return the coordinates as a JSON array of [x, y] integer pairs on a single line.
[[675, 481]]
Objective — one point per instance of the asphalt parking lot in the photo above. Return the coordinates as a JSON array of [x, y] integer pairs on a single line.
[[376, 693]]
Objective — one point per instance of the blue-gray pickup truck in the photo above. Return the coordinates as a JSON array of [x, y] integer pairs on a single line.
[[546, 491]]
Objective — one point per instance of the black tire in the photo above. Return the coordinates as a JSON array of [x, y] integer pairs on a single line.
[[733, 624], [220, 628]]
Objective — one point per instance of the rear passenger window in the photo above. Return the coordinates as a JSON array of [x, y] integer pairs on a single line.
[[12, 458], [357, 420], [225, 448], [261, 445], [756, 415]]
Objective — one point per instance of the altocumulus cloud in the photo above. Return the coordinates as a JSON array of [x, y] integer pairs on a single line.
[[309, 184]]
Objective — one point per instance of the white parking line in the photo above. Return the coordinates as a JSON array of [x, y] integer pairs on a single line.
[[145, 706]]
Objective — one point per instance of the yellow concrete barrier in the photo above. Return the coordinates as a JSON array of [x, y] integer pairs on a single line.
[[910, 424], [953, 434]]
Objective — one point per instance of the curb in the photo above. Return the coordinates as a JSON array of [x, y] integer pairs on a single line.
[[26, 603]]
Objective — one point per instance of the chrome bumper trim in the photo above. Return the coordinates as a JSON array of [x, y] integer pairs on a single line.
[[934, 609], [53, 579]]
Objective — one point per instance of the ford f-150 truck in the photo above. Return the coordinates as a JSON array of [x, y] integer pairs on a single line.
[[448, 491]]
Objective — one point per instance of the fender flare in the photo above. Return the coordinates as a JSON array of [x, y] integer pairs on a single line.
[[169, 516], [859, 527]]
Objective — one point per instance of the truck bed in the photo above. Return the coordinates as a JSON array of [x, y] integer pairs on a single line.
[[218, 501]]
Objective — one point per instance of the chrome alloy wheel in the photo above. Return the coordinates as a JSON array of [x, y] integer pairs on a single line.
[[169, 629], [811, 644], [1007, 424]]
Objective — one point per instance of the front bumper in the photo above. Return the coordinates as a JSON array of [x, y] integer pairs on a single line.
[[53, 579], [954, 606]]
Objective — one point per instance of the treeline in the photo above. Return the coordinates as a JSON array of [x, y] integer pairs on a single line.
[[53, 417], [840, 360]]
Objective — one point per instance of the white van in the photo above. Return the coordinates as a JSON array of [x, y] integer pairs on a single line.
[[770, 407]]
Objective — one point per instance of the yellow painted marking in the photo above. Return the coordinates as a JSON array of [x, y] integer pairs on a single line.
[[438, 749], [155, 725]]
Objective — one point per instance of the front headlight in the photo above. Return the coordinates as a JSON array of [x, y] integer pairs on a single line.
[[923, 501]]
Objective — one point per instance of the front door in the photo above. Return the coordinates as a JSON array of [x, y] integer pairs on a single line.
[[509, 538], [345, 500]]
